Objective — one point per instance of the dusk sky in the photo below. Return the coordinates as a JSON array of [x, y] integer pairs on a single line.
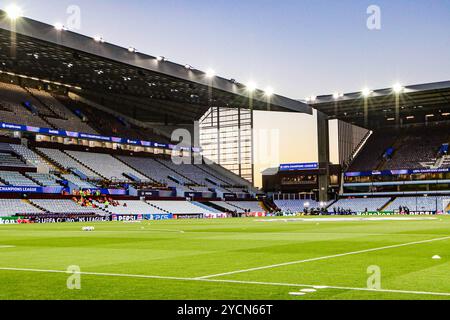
[[298, 47]]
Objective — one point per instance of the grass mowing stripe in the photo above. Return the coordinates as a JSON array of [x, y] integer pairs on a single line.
[[320, 287], [322, 258], [6, 247]]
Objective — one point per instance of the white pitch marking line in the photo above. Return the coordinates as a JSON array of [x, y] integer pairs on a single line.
[[308, 290], [322, 258], [297, 293], [295, 285]]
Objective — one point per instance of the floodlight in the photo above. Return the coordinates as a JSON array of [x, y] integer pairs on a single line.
[[366, 92], [398, 88], [13, 11], [251, 86], [99, 39], [268, 91], [210, 73], [59, 26]]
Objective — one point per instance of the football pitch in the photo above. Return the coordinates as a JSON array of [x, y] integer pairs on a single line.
[[286, 259]]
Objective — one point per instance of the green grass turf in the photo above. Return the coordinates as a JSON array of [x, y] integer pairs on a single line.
[[196, 248]]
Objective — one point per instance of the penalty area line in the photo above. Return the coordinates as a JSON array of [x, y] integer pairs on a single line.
[[279, 284], [322, 258]]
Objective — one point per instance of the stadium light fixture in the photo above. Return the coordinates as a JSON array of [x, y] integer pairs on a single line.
[[251, 86], [14, 12], [210, 73], [59, 26], [132, 49], [188, 67], [398, 88], [268, 92], [99, 39], [366, 92], [337, 95], [311, 99]]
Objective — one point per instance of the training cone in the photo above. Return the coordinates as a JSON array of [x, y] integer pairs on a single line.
[[436, 257]]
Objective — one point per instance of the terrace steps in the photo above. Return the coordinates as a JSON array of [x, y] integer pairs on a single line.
[[85, 165], [387, 204], [137, 170], [58, 168], [176, 171]]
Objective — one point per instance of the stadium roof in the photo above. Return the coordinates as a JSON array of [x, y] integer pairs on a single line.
[[36, 49], [416, 104]]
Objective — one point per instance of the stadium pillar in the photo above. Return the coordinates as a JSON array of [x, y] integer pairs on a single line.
[[239, 142], [218, 136], [323, 140]]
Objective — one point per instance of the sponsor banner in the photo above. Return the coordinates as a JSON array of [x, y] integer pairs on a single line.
[[167, 216], [256, 214], [299, 166], [148, 193], [417, 213], [395, 172], [14, 189], [193, 194], [396, 212], [80, 135], [215, 215], [127, 217], [60, 218], [377, 213], [9, 220], [69, 220], [188, 216]]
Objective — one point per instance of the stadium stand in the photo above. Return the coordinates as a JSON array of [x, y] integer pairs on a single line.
[[45, 180], [359, 205], [412, 147], [296, 205], [180, 207], [228, 206], [155, 170], [8, 160], [371, 154], [109, 124], [16, 179], [65, 120], [13, 99], [419, 147], [29, 156], [430, 203], [81, 184], [200, 177], [64, 207], [11, 207], [252, 206], [106, 166], [128, 208], [65, 161]]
